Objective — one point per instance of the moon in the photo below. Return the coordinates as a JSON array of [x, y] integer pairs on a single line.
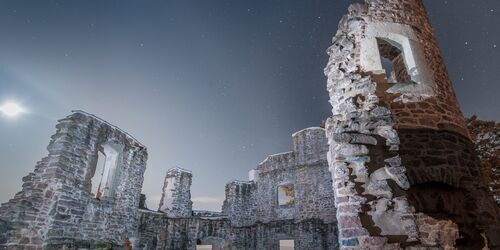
[[11, 109]]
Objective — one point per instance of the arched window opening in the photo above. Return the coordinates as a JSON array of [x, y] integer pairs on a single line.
[[393, 61], [103, 181]]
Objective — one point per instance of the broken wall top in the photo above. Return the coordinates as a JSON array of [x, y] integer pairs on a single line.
[[309, 146], [429, 101]]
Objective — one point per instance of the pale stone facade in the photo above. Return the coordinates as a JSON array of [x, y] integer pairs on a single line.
[[176, 196], [59, 207], [252, 216], [56, 206]]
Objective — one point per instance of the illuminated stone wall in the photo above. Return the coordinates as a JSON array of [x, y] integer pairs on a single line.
[[403, 165], [56, 206], [305, 169], [252, 216], [161, 232], [176, 196]]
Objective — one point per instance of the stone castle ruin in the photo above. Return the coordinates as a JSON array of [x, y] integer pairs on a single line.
[[395, 167], [404, 169], [289, 197]]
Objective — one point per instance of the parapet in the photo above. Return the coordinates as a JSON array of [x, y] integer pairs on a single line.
[[309, 146]]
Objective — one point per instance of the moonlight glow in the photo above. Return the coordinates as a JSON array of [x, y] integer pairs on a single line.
[[11, 109]]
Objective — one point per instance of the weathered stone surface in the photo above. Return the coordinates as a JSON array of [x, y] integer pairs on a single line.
[[398, 143], [4, 229], [56, 206], [354, 139], [403, 171], [176, 195], [142, 202], [252, 217], [160, 232], [57, 210]]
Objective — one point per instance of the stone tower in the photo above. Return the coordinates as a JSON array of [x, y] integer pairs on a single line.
[[176, 196], [403, 166]]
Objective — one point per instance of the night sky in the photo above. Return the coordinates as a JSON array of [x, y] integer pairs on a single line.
[[211, 86]]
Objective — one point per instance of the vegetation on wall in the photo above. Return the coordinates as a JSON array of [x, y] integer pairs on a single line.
[[486, 136]]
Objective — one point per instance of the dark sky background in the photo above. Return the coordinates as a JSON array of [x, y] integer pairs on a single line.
[[212, 86]]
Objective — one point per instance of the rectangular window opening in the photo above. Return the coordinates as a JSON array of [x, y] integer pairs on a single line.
[[286, 195], [393, 61], [287, 244], [106, 170], [96, 179]]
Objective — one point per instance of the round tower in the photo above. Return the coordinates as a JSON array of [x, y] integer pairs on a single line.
[[402, 162]]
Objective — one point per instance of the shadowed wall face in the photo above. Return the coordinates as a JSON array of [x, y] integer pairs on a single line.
[[400, 152]]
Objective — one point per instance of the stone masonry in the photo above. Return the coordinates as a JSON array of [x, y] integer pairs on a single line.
[[252, 216], [56, 207], [176, 196], [68, 202], [403, 165], [394, 169], [305, 170]]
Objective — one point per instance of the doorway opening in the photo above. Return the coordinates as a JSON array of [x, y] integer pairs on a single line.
[[287, 244], [203, 247]]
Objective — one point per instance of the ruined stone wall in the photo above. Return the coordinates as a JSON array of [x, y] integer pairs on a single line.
[[305, 170], [252, 216], [56, 206], [67, 202], [176, 196], [160, 232], [240, 204], [398, 149]]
